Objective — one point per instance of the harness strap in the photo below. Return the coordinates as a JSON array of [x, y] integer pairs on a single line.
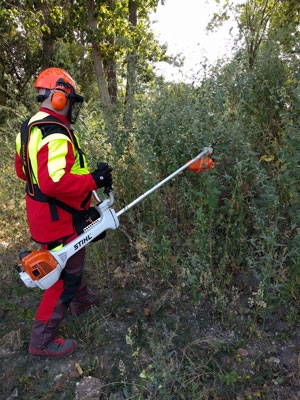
[[25, 157], [52, 201]]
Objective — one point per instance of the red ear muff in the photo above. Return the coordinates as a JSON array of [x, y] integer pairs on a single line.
[[59, 100]]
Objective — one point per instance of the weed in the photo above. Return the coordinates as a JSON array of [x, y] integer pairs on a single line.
[[229, 378]]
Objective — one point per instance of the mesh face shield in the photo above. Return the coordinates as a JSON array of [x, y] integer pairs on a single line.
[[75, 105]]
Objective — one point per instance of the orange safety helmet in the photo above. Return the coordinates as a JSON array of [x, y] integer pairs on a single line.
[[50, 78], [62, 87]]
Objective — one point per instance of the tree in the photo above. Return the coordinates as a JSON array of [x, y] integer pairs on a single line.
[[260, 21], [109, 39], [19, 49], [125, 44], [95, 37], [253, 24]]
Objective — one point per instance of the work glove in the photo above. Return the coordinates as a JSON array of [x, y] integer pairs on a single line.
[[102, 176]]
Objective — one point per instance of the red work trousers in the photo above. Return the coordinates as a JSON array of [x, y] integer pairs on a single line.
[[55, 302]]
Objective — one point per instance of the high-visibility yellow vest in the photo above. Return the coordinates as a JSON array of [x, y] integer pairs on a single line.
[[43, 129]]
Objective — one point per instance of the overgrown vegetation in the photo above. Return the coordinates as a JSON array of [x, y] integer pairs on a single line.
[[202, 269]]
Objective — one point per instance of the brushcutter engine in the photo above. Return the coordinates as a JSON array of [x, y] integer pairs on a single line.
[[38, 265]]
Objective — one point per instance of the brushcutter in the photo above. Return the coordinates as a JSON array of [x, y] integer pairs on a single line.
[[42, 268]]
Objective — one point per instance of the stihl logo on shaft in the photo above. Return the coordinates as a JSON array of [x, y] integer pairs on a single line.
[[82, 242]]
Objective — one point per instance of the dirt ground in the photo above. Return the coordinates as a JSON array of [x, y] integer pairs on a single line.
[[152, 343]]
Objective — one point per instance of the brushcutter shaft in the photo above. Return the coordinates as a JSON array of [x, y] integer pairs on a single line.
[[206, 150]]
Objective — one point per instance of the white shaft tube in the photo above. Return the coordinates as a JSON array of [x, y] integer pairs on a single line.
[[205, 151]]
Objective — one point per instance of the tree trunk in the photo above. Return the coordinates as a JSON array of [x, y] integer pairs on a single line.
[[111, 68], [131, 67], [111, 65], [97, 56], [48, 41]]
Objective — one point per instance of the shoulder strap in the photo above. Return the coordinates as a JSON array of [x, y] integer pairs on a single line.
[[25, 157]]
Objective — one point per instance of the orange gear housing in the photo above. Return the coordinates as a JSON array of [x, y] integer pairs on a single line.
[[201, 165]]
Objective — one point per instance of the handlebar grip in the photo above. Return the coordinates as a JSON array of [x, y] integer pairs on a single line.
[[107, 190], [101, 165]]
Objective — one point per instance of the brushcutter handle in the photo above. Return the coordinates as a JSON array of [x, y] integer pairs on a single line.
[[108, 202], [107, 190]]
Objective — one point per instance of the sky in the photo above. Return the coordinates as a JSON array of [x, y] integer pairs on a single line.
[[181, 24]]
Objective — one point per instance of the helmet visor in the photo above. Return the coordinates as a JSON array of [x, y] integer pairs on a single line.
[[75, 105]]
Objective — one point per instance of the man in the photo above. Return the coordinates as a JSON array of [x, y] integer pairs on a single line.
[[58, 185]]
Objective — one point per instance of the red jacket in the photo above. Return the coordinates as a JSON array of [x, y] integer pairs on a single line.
[[58, 175]]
